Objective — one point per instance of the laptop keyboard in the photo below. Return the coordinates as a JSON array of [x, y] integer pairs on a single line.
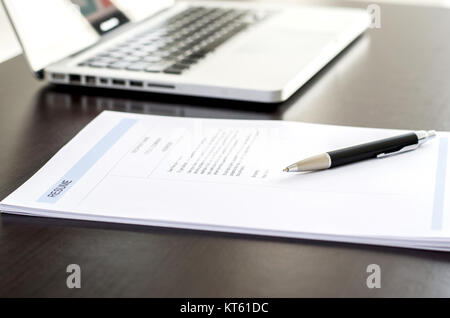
[[179, 42]]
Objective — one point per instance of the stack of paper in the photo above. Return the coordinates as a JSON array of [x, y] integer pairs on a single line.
[[226, 175]]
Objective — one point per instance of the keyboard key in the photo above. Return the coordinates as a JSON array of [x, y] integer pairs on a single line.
[[119, 65], [150, 48], [117, 54], [130, 58], [105, 59], [98, 64], [199, 54], [139, 53], [180, 66], [188, 61], [152, 59], [162, 54], [175, 71], [156, 68], [140, 66]]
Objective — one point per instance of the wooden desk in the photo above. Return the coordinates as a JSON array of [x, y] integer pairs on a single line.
[[394, 77]]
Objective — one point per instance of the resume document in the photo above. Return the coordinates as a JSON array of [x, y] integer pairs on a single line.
[[226, 175]]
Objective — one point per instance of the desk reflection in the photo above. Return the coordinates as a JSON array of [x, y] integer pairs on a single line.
[[61, 100]]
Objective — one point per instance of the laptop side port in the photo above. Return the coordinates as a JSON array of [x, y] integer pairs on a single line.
[[58, 76], [90, 80], [160, 86], [118, 82], [136, 84], [103, 81], [74, 79]]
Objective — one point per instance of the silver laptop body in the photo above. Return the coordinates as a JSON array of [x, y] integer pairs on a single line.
[[233, 50]]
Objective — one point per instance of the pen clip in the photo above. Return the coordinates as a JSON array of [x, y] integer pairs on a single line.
[[404, 149]]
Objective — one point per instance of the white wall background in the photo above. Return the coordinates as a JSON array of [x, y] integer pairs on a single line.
[[8, 43], [9, 46]]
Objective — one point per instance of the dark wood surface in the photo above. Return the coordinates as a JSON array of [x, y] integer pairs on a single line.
[[394, 77]]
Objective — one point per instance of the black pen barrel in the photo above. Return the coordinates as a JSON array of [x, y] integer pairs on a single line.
[[371, 149]]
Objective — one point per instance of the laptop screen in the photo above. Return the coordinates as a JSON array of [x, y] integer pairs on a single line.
[[50, 30]]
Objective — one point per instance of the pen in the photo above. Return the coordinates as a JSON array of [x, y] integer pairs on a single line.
[[375, 149]]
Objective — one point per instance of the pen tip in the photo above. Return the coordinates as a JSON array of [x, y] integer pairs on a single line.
[[286, 170]]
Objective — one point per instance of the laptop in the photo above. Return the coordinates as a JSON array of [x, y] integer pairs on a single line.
[[232, 50]]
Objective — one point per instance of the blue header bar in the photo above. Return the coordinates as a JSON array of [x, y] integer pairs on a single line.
[[87, 161]]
